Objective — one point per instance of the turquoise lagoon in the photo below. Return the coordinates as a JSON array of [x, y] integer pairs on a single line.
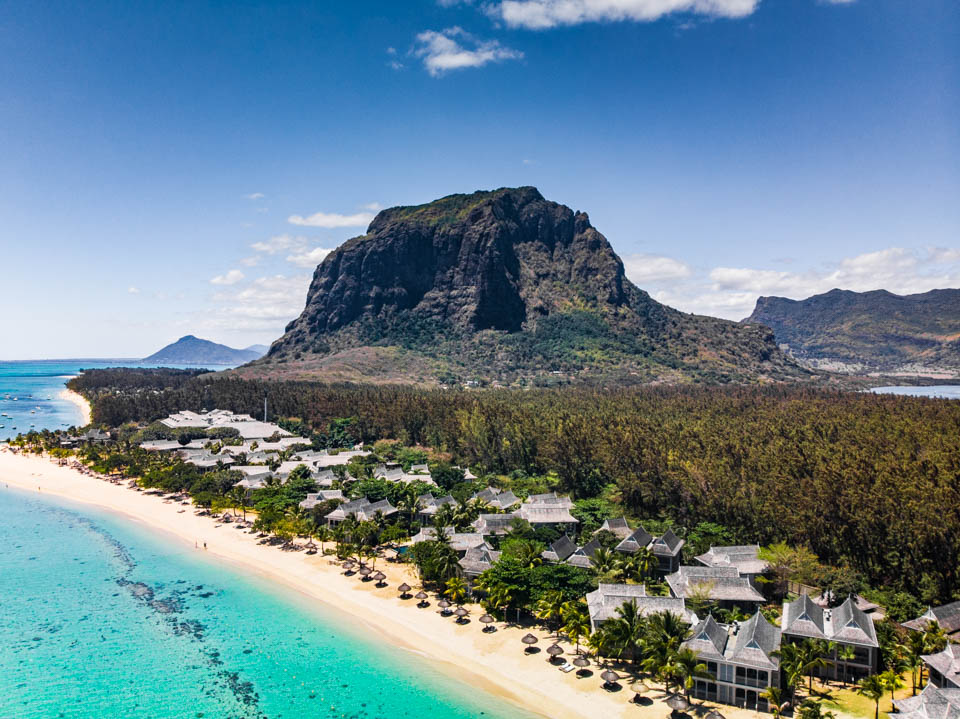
[[102, 618]]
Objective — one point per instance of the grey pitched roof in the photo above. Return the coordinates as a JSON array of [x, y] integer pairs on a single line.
[[744, 557], [493, 523], [487, 495], [478, 559], [947, 663], [506, 500], [316, 498], [931, 703], [724, 584], [542, 513], [604, 602], [803, 618], [617, 526], [560, 549], [635, 542], [947, 616], [459, 541], [755, 640], [667, 545], [708, 639], [851, 625]]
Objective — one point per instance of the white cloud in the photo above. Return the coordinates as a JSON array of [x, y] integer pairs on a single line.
[[455, 49], [255, 196], [230, 278], [133, 290], [309, 258], [279, 243], [332, 220], [372, 207], [644, 268], [543, 14], [250, 261], [266, 304]]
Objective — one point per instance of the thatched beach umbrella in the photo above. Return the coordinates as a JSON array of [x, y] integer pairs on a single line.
[[714, 714], [554, 650], [581, 661], [404, 590], [380, 578], [421, 598], [678, 703], [529, 640], [444, 606], [487, 622], [461, 613], [610, 677], [639, 687], [365, 573], [348, 565]]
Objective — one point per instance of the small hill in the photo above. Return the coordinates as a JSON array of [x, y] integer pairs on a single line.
[[869, 331], [502, 287], [261, 350], [193, 350]]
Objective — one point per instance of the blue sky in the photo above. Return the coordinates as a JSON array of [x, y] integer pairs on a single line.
[[174, 168]]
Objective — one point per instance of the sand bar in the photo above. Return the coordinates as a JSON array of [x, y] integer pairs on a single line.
[[494, 662]]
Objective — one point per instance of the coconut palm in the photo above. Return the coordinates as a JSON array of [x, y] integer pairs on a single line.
[[774, 697], [604, 561], [846, 653], [873, 688], [626, 631], [811, 709], [891, 682], [576, 622], [456, 590], [687, 668], [550, 607]]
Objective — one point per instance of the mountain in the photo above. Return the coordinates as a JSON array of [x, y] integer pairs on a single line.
[[869, 331], [505, 287], [193, 350], [261, 350]]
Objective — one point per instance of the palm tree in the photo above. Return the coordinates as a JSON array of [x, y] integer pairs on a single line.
[[689, 668], [891, 682], [626, 631], [791, 664], [604, 561], [576, 622], [846, 653], [813, 656], [873, 688], [323, 534], [456, 590], [934, 638], [550, 607], [774, 697], [238, 496], [811, 709], [527, 552]]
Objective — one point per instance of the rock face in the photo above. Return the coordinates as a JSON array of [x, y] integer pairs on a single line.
[[503, 286], [869, 331]]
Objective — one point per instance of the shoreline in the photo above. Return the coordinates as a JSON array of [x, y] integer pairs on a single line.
[[495, 663], [78, 401]]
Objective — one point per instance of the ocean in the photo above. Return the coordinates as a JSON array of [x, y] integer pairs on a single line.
[[942, 391], [30, 393], [103, 618]]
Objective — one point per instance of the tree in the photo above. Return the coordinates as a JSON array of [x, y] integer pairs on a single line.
[[791, 664], [891, 682], [689, 668], [456, 590], [846, 653], [550, 608], [774, 697], [238, 495], [576, 621], [699, 599], [811, 709], [873, 688], [813, 656]]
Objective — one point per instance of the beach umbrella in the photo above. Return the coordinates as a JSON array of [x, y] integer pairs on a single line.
[[639, 687], [554, 650], [461, 613], [529, 640], [365, 571], [581, 662], [379, 576], [422, 599], [348, 565], [444, 605], [610, 677], [404, 590], [714, 714], [488, 621], [678, 703]]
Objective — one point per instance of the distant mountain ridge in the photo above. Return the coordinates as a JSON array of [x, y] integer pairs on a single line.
[[193, 350], [503, 287], [869, 332]]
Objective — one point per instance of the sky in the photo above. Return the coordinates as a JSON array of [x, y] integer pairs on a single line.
[[173, 168]]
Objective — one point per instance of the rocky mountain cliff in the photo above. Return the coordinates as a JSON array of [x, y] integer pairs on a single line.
[[869, 331], [501, 286]]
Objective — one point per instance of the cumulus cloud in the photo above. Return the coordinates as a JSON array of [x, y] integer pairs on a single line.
[[332, 220], [645, 268], [249, 261], [455, 49], [230, 278], [278, 243], [266, 304], [732, 292], [309, 258], [255, 196], [133, 290], [544, 14]]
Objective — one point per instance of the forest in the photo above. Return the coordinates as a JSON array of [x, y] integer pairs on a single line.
[[867, 482]]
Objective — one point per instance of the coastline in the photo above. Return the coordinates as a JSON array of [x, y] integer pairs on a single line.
[[495, 663], [80, 402]]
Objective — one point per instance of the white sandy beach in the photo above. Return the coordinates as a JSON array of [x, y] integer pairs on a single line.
[[495, 662], [81, 404]]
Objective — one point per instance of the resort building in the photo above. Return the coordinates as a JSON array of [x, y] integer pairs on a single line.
[[666, 548], [583, 556], [944, 667], [932, 703], [395, 473], [460, 542], [362, 509], [497, 499], [560, 550], [490, 525], [478, 560], [247, 426], [203, 459], [722, 585], [604, 602], [947, 616], [618, 527], [741, 659], [549, 510], [429, 505], [746, 559], [325, 495], [846, 626]]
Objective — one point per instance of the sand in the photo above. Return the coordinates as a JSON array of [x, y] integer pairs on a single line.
[[494, 662], [81, 404]]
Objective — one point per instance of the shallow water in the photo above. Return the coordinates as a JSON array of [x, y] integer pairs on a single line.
[[100, 617], [944, 391]]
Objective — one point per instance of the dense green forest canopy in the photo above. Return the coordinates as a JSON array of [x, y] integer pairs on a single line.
[[866, 480]]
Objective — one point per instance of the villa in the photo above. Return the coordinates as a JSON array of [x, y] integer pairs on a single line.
[[247, 426], [846, 626], [325, 495], [478, 560], [944, 667], [947, 616], [548, 510], [746, 559], [497, 499], [741, 658], [363, 509], [429, 505], [618, 527], [666, 548], [493, 524], [604, 602], [461, 542], [722, 585], [932, 703]]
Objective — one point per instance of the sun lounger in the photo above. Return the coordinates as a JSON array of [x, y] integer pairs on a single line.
[[567, 668]]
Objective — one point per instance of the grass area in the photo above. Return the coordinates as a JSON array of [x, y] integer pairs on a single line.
[[839, 698]]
